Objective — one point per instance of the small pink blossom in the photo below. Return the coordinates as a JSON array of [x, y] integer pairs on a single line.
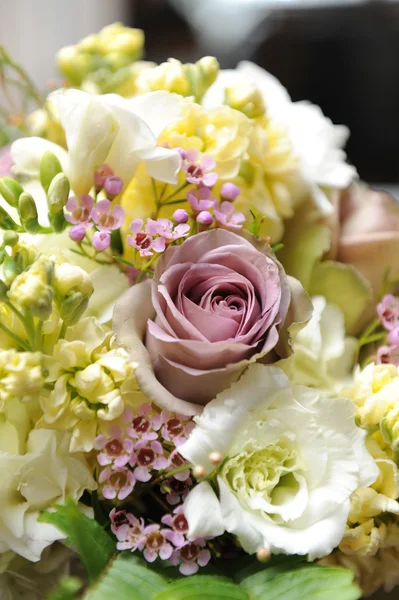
[[113, 186], [116, 450], [176, 461], [130, 534], [140, 426], [176, 490], [116, 483], [227, 217], [118, 518], [191, 556], [148, 458], [156, 543], [167, 230], [180, 216], [198, 169], [388, 355], [101, 175], [388, 312], [143, 241], [101, 240], [204, 219], [201, 199], [230, 191], [393, 337], [79, 214], [106, 216], [178, 523]]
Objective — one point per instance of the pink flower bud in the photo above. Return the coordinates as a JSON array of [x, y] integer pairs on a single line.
[[101, 175], [77, 233], [101, 240], [180, 216], [205, 218], [230, 191], [113, 186]]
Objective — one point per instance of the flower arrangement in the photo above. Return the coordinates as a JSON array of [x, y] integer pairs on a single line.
[[199, 339]]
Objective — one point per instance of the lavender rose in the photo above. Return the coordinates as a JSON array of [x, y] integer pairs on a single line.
[[216, 303]]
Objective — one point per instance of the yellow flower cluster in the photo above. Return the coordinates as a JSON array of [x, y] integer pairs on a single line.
[[21, 376], [93, 381], [113, 48], [370, 546]]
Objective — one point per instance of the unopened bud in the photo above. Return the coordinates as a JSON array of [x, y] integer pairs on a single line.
[[263, 555], [10, 238], [209, 68], [58, 194], [113, 186], [180, 216], [199, 472], [74, 315], [215, 458], [43, 307], [10, 190], [28, 213], [58, 222], [204, 219], [50, 166], [247, 99], [3, 291], [73, 64], [10, 269]]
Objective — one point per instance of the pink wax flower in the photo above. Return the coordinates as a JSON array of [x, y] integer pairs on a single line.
[[198, 169], [230, 191], [393, 337], [191, 556], [115, 450], [166, 229], [140, 425], [101, 240], [128, 530], [180, 216], [148, 457], [113, 186], [106, 216], [176, 490], [156, 542], [78, 212], [101, 175], [201, 199], [178, 523], [204, 220], [117, 482], [143, 241], [227, 217], [388, 312]]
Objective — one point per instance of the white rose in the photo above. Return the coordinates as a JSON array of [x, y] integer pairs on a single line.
[[46, 475], [291, 460]]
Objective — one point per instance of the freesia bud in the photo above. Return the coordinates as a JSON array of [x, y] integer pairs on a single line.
[[43, 307], [10, 190], [28, 213], [50, 166], [10, 238], [58, 194], [247, 99]]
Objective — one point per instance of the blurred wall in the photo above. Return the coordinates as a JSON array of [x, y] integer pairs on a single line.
[[33, 30]]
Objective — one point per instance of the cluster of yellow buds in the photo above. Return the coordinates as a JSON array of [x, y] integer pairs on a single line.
[[111, 50], [247, 99], [93, 381], [184, 79], [21, 376]]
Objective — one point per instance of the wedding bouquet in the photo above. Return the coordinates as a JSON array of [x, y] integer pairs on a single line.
[[199, 339]]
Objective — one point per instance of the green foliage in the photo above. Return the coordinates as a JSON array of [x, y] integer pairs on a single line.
[[128, 578], [198, 587], [94, 546], [66, 589]]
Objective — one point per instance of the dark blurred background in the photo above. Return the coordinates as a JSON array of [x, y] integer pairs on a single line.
[[342, 55]]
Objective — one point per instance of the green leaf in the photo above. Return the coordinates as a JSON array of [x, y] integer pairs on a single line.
[[199, 587], [94, 546], [342, 285], [128, 578], [301, 582], [66, 589]]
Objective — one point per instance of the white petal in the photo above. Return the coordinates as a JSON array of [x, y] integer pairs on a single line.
[[163, 164], [27, 153], [109, 283], [157, 109], [202, 511], [90, 130]]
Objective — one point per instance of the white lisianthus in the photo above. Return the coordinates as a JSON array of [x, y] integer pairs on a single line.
[[291, 460], [104, 129], [45, 475], [317, 142], [323, 356]]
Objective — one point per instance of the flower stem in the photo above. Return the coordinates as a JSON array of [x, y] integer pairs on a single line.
[[16, 338]]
